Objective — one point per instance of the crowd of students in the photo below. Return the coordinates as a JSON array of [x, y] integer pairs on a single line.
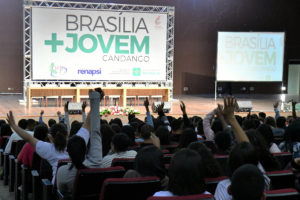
[[94, 143]]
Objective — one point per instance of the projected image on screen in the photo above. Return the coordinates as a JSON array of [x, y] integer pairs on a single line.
[[256, 56]]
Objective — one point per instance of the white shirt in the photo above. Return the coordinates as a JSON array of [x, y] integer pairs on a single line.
[[13, 137], [274, 148], [106, 162], [169, 194]]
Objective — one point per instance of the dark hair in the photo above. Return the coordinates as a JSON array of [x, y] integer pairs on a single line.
[[188, 136], [270, 121], [212, 167], [129, 130], [186, 173], [116, 121], [163, 134], [130, 117], [149, 161], [22, 123], [51, 122], [176, 124], [115, 127], [75, 126], [107, 133], [121, 142], [5, 130], [217, 125], [262, 115], [223, 141], [280, 122], [267, 133], [76, 149], [40, 132], [247, 183], [292, 134], [249, 124], [30, 124], [243, 153], [268, 161], [59, 134], [2, 122], [146, 131], [239, 119]]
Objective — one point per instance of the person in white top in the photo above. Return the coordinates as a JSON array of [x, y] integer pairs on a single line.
[[119, 145], [24, 124], [186, 175]]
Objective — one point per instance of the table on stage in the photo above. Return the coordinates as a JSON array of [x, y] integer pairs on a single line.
[[83, 91]]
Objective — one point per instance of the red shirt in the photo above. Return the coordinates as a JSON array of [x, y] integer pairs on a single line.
[[26, 155]]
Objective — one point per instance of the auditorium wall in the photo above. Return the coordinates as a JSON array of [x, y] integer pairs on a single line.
[[196, 25]]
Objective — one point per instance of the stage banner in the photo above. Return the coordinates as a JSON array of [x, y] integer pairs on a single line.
[[72, 44], [250, 56]]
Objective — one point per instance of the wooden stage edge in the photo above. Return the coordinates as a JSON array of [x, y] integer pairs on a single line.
[[198, 105]]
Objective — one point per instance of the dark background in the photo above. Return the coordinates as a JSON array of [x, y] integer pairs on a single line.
[[196, 25]]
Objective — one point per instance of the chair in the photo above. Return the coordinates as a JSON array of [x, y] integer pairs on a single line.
[[283, 194], [52, 97], [167, 158], [222, 160], [88, 182], [17, 181], [127, 163], [129, 188], [281, 179], [170, 147], [284, 158], [189, 197], [211, 183]]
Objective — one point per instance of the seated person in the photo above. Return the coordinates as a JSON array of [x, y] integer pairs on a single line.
[[149, 161], [119, 145], [247, 183], [189, 165], [147, 134]]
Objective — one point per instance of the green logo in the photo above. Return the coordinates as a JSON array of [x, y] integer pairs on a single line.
[[136, 72]]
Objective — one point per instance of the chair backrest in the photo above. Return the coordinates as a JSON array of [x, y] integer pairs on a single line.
[[127, 163], [4, 141], [88, 182], [170, 147], [211, 183], [284, 158], [19, 146], [189, 197], [129, 188], [13, 148], [45, 170], [222, 160], [281, 179], [283, 194], [167, 158]]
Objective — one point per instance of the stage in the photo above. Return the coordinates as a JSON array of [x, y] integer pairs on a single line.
[[195, 104]]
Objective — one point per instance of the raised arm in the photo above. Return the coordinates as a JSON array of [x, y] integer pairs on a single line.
[[275, 105], [219, 112], [41, 117], [21, 132], [84, 104], [67, 120], [208, 132], [149, 117], [185, 117], [294, 109], [230, 104]]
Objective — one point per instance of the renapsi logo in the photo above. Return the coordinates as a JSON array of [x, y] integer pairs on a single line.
[[56, 71], [89, 71]]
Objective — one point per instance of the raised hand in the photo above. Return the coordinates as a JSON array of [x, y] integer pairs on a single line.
[[10, 119], [84, 104], [160, 108], [230, 104], [101, 92], [219, 111], [58, 113], [146, 104], [42, 112], [182, 107], [275, 105], [66, 107]]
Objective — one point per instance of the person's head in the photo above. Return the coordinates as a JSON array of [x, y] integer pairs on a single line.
[[115, 127], [267, 133], [30, 124], [120, 142], [130, 131], [292, 133], [249, 124], [247, 183], [22, 123], [107, 133], [163, 134], [76, 149], [130, 117], [149, 161], [58, 133], [186, 173], [5, 130], [223, 141], [239, 119], [177, 125], [146, 131], [40, 132], [262, 116], [116, 121], [188, 136], [212, 167], [242, 153], [270, 121], [217, 125], [281, 122], [51, 122], [75, 126]]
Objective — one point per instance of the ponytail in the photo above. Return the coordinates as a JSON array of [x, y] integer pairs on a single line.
[[59, 134], [76, 148]]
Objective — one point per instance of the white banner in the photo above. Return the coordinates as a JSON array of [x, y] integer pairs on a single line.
[[250, 56], [98, 45]]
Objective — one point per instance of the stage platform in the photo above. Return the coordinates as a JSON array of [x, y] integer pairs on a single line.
[[195, 104]]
